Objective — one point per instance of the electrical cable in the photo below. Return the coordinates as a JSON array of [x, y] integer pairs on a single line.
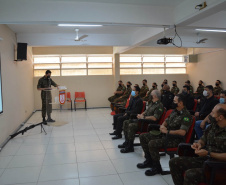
[[176, 34]]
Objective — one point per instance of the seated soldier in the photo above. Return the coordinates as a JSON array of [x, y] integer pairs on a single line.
[[165, 82], [135, 107], [130, 127], [154, 87], [175, 90], [167, 97], [126, 94], [211, 145], [178, 123], [189, 99], [201, 125], [205, 107], [119, 91], [188, 83], [199, 92], [144, 89], [217, 90]]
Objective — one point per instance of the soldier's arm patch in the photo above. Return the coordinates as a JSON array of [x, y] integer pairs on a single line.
[[186, 119]]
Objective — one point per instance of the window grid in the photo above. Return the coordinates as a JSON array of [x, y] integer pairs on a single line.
[[93, 70], [177, 64]]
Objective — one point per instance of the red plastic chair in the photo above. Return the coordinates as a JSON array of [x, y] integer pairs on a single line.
[[68, 99], [195, 105], [79, 97]]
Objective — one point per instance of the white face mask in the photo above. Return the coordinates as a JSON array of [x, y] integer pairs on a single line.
[[205, 93]]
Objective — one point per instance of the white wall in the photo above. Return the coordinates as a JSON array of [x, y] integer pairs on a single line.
[[209, 68], [17, 85]]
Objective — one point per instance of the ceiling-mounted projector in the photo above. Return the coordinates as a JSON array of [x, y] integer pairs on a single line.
[[164, 41]]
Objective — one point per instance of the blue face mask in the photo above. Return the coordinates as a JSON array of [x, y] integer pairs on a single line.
[[133, 93], [221, 100]]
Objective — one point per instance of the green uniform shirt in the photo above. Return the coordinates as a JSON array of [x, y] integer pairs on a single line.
[[215, 138], [179, 120], [175, 90], [191, 90], [45, 83], [143, 91], [155, 109], [200, 90], [127, 92], [217, 90], [149, 92]]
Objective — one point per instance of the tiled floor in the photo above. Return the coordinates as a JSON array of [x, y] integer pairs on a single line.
[[78, 153]]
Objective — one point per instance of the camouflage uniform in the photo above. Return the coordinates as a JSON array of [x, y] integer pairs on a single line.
[[217, 90], [154, 140], [130, 128], [191, 90], [120, 88], [143, 91], [175, 90], [199, 91], [125, 96], [214, 140], [147, 97], [46, 96]]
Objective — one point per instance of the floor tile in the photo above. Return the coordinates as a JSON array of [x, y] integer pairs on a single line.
[[26, 161], [20, 175], [84, 146], [58, 172], [59, 158], [96, 155], [32, 150], [4, 161], [61, 148], [61, 140], [61, 182], [99, 168]]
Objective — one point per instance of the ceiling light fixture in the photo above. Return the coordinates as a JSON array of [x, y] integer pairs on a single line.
[[77, 25], [210, 30]]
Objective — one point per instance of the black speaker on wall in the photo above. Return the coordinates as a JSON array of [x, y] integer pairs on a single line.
[[21, 51]]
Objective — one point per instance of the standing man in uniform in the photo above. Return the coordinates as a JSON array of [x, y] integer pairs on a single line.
[[126, 95], [45, 83], [217, 89], [147, 97], [175, 90], [119, 91], [178, 123], [211, 145], [144, 89], [153, 113]]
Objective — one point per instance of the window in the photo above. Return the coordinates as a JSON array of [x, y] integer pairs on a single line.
[[73, 65], [146, 64]]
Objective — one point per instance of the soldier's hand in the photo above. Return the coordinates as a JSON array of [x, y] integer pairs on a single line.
[[201, 153], [202, 125], [196, 146], [164, 130]]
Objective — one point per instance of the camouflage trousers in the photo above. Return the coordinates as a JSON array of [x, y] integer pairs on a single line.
[[112, 98], [191, 167], [130, 130], [152, 143], [120, 100], [46, 106]]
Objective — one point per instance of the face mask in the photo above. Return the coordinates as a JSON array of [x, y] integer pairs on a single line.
[[200, 84], [143, 83], [174, 85], [133, 93], [165, 82], [216, 84], [175, 105], [128, 85], [153, 87], [184, 92], [221, 100], [48, 77], [120, 85], [212, 119], [162, 85], [205, 93]]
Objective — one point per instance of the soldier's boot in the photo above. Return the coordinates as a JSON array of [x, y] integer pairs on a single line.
[[50, 119], [156, 169], [44, 121], [112, 133], [129, 148], [123, 145], [147, 163]]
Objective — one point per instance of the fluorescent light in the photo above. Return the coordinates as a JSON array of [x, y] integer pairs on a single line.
[[211, 30], [74, 25]]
